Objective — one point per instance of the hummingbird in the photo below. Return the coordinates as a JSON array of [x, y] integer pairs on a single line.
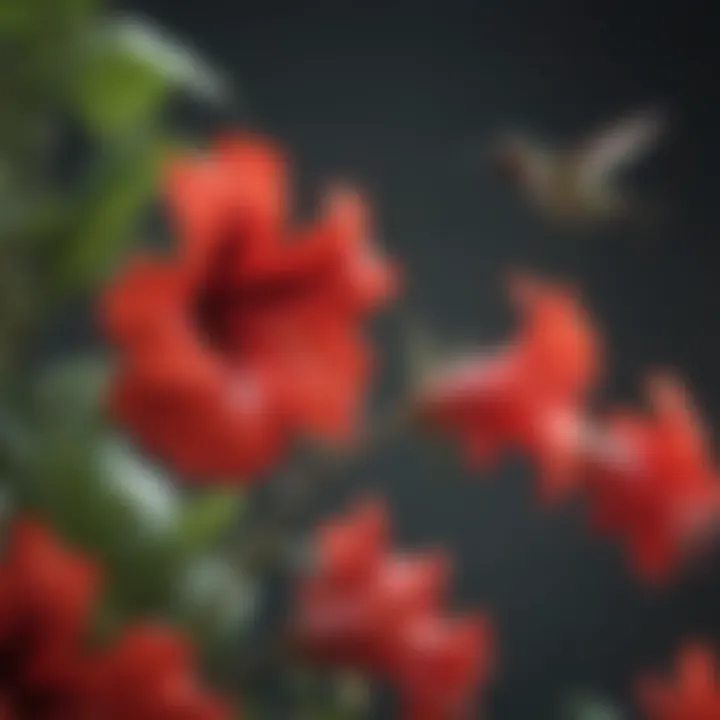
[[578, 185]]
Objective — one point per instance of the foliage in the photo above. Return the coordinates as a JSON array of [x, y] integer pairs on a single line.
[[82, 138]]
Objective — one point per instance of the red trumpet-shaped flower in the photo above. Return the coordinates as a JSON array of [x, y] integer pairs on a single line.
[[515, 397], [653, 483], [46, 596], [693, 695], [47, 672], [381, 614], [332, 615], [350, 607], [148, 675], [251, 335]]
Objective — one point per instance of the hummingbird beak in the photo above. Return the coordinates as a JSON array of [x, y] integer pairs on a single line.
[[507, 164]]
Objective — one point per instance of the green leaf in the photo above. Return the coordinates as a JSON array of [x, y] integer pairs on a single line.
[[109, 212], [216, 601], [118, 93], [586, 708], [323, 695], [156, 503], [131, 67], [208, 517], [31, 221], [69, 490], [81, 10], [18, 450], [101, 496], [353, 696], [174, 61], [158, 566], [104, 497], [39, 16], [72, 393], [15, 16]]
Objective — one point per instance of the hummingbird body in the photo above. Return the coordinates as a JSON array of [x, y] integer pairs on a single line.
[[578, 185]]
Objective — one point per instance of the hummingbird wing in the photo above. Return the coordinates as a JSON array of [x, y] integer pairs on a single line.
[[617, 146]]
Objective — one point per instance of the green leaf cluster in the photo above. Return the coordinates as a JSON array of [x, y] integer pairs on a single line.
[[83, 137]]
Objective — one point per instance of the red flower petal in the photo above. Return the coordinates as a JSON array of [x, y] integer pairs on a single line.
[[693, 695]]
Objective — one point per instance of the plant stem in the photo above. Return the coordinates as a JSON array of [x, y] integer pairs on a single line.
[[267, 548]]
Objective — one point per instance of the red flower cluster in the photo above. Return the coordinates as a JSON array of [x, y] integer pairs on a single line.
[[653, 482], [694, 695], [380, 613], [46, 595], [46, 598], [514, 397], [251, 335]]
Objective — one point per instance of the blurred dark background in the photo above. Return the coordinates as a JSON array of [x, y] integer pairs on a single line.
[[401, 96]]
